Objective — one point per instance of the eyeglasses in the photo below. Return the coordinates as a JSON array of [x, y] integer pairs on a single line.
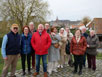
[[15, 28]]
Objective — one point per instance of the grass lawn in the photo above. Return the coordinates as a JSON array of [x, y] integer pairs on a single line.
[[1, 62], [99, 56]]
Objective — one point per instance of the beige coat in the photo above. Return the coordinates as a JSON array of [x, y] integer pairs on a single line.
[[63, 44]]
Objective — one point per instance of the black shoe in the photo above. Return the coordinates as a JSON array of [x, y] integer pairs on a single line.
[[24, 73], [74, 72], [13, 76], [80, 72]]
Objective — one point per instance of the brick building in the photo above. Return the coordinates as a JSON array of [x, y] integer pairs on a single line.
[[96, 24]]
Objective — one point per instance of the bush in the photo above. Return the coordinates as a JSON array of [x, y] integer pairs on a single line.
[[73, 31]]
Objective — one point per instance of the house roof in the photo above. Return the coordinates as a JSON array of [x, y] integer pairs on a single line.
[[96, 24], [76, 26]]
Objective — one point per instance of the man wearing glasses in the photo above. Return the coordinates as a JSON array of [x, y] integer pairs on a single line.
[[10, 50]]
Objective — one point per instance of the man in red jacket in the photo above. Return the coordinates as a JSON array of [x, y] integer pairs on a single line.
[[41, 41]]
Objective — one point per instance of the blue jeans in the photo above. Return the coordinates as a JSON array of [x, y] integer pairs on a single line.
[[44, 61]]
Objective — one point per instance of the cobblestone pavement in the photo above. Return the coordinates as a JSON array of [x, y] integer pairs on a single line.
[[67, 72]]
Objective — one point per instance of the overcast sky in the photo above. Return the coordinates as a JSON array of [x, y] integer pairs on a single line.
[[75, 9]]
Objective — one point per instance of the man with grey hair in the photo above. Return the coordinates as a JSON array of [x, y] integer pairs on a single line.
[[32, 27], [32, 30], [10, 50], [47, 27], [92, 44], [40, 42], [85, 35]]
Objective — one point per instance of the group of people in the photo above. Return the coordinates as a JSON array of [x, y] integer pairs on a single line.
[[46, 41]]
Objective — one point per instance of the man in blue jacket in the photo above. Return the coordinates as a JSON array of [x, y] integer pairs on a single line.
[[85, 35], [10, 50]]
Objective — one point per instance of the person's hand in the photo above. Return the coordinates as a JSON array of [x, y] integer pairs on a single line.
[[61, 35], [88, 46], [5, 58], [71, 54], [65, 54], [19, 56], [53, 34]]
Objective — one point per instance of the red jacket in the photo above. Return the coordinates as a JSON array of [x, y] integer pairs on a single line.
[[41, 43], [78, 48]]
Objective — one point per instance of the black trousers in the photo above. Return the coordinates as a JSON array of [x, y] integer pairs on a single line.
[[78, 62], [23, 60]]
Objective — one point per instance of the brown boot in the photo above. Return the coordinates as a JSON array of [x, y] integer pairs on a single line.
[[45, 74], [36, 73]]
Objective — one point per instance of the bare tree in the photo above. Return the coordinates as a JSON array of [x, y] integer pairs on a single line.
[[86, 20], [24, 11]]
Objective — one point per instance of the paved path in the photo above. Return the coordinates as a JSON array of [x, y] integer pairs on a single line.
[[67, 72], [99, 50]]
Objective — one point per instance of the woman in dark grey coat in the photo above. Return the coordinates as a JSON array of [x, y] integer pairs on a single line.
[[53, 53], [92, 44]]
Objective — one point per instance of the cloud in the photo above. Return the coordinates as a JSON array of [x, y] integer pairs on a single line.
[[75, 9]]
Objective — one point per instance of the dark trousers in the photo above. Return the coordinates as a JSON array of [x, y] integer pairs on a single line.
[[33, 59], [91, 61], [78, 62], [84, 60], [23, 59]]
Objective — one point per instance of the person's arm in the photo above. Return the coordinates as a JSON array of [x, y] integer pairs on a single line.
[[96, 43], [33, 42], [49, 42], [3, 48], [71, 47], [85, 44], [64, 39], [57, 37]]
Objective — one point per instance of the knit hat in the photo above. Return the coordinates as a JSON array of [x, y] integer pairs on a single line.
[[14, 25]]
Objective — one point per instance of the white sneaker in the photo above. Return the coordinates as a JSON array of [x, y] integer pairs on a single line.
[[58, 66], [61, 66], [67, 64], [55, 70], [50, 72]]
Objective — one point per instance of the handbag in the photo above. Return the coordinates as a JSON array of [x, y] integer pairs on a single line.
[[56, 45]]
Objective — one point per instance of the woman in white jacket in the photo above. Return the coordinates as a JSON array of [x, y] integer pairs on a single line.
[[63, 36]]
